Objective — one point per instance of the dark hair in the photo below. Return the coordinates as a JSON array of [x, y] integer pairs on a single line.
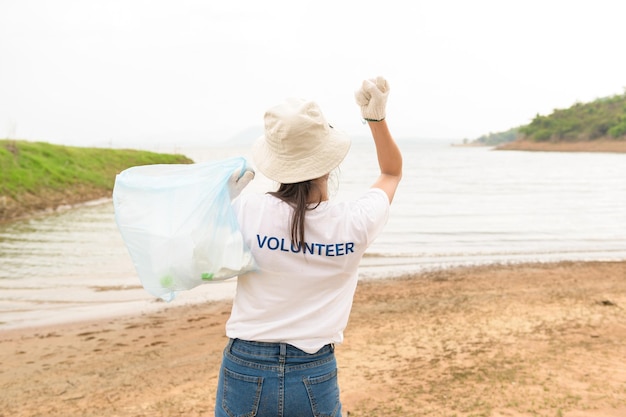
[[297, 195]]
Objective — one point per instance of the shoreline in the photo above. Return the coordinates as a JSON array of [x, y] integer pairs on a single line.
[[140, 302], [35, 207], [600, 145], [606, 146], [133, 299], [517, 340]]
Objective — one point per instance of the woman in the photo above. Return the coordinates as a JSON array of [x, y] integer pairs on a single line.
[[288, 315]]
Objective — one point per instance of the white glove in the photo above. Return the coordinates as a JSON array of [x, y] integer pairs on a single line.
[[238, 181], [372, 98]]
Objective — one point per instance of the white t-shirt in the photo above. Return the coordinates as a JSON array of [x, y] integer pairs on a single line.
[[302, 295]]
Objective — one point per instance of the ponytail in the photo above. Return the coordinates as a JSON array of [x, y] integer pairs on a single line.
[[297, 195]]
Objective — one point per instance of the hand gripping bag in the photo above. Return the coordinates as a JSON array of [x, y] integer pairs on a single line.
[[178, 224]]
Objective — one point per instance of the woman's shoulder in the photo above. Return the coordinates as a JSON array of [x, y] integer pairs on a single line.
[[256, 200], [373, 199], [373, 196]]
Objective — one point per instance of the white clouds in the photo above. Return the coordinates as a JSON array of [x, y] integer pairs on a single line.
[[92, 71]]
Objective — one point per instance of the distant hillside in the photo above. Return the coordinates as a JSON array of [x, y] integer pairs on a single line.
[[494, 139], [603, 120]]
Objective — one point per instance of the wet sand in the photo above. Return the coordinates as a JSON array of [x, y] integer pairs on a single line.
[[503, 340]]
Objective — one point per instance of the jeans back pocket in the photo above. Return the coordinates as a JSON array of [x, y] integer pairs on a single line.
[[324, 394], [242, 394]]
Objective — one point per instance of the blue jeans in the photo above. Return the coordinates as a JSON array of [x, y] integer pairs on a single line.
[[277, 380]]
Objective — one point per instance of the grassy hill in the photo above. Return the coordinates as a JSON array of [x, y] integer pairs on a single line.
[[36, 176], [602, 122], [603, 118]]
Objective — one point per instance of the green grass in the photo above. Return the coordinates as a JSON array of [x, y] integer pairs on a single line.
[[36, 176], [29, 167]]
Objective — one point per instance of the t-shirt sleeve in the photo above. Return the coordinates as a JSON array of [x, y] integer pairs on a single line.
[[373, 208], [238, 204]]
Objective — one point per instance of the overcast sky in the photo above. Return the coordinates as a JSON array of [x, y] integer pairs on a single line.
[[97, 72]]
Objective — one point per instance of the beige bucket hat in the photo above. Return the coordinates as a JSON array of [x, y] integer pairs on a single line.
[[298, 144]]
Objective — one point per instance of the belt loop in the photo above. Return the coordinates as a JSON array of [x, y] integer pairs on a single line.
[[283, 355], [229, 346]]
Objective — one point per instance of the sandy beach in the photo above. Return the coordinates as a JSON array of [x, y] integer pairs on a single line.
[[503, 340]]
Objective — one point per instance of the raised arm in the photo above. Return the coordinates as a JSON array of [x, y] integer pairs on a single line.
[[372, 98]]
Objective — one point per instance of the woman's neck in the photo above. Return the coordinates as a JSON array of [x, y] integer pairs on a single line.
[[320, 192]]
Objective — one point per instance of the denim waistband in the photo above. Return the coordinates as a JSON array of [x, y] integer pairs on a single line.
[[275, 350]]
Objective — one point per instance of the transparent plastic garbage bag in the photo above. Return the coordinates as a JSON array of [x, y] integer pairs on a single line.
[[178, 224]]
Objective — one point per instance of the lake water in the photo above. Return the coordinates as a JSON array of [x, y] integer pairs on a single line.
[[455, 206]]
